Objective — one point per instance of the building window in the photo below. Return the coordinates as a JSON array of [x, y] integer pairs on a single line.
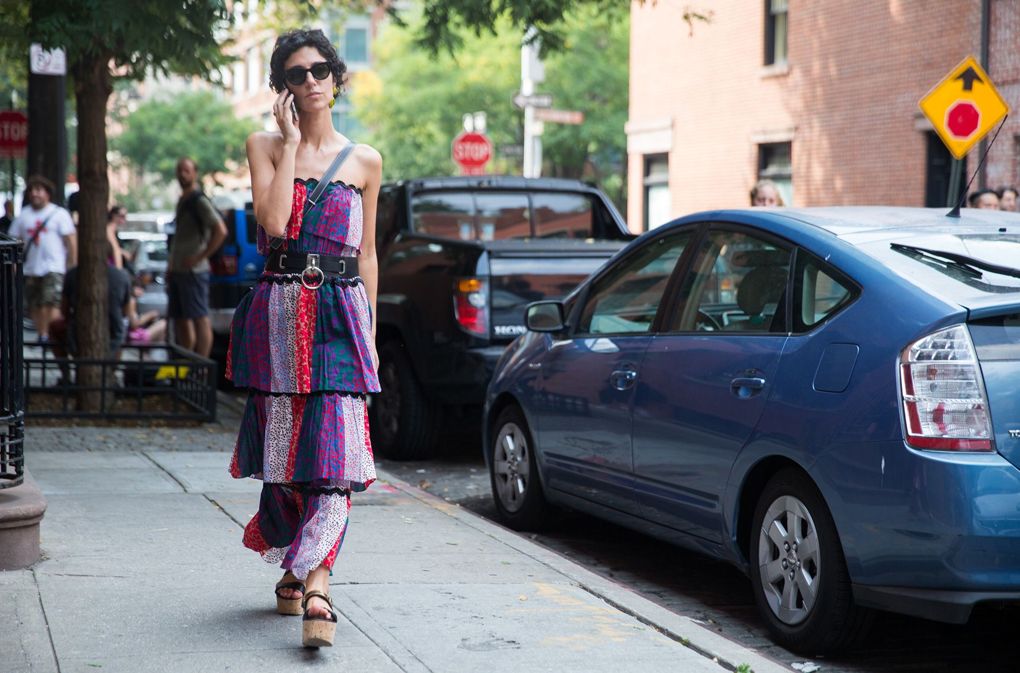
[[775, 32], [939, 174], [657, 199], [254, 70], [774, 163], [356, 45]]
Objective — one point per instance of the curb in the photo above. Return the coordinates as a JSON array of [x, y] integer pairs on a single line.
[[684, 630]]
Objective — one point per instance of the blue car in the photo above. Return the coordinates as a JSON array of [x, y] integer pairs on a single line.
[[827, 398]]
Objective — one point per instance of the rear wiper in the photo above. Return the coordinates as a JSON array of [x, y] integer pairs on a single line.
[[973, 266]]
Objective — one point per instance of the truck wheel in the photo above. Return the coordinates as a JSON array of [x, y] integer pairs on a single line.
[[513, 472], [801, 584], [404, 423]]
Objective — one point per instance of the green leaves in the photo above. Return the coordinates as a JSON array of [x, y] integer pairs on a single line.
[[200, 125]]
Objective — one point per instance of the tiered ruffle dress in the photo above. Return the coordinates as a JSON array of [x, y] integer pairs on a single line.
[[305, 358]]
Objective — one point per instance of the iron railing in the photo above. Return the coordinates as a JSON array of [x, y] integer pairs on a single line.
[[12, 394], [141, 384]]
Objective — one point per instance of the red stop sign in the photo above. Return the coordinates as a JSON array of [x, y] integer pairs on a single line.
[[963, 119], [13, 133], [471, 151]]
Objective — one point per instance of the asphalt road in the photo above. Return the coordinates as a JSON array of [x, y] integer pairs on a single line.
[[717, 594]]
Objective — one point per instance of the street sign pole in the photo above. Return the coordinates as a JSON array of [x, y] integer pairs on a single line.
[[532, 72], [955, 177]]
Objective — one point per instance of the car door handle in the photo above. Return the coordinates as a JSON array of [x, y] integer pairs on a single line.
[[746, 387], [622, 379]]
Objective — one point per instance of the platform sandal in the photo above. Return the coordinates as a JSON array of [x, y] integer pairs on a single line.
[[289, 606], [318, 631]]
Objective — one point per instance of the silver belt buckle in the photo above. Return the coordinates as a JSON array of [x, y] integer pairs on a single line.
[[312, 277], [281, 264]]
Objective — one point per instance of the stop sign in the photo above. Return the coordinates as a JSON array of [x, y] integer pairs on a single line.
[[471, 151], [963, 119], [13, 133]]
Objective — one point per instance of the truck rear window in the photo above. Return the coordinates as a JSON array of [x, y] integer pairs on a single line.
[[492, 215]]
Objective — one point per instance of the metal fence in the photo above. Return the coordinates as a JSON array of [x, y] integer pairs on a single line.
[[150, 382], [12, 397]]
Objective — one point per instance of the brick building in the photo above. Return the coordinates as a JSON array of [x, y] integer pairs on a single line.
[[819, 95]]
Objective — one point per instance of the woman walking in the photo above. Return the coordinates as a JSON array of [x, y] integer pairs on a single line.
[[302, 341]]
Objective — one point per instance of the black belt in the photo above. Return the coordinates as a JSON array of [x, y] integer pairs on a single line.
[[312, 267]]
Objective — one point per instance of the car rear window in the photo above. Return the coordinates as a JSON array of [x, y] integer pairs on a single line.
[[496, 215], [944, 277]]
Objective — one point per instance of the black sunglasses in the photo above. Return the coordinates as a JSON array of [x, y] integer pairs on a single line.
[[297, 75]]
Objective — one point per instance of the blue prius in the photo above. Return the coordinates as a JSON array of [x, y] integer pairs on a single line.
[[827, 398]]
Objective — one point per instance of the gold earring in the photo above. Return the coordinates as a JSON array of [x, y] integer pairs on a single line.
[[336, 92]]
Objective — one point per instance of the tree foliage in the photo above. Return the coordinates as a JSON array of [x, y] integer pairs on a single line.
[[415, 107], [199, 124], [104, 40]]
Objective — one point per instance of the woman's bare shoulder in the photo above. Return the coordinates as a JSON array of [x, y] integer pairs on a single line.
[[368, 156], [267, 142]]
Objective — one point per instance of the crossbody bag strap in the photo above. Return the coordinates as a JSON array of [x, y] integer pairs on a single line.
[[35, 237], [316, 194]]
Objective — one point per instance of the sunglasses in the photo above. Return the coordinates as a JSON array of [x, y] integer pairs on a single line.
[[297, 75]]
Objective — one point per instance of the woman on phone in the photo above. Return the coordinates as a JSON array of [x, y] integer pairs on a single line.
[[303, 339]]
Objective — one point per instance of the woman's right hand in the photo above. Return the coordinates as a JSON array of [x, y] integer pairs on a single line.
[[285, 119]]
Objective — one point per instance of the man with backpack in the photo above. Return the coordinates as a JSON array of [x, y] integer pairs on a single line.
[[50, 250], [199, 233]]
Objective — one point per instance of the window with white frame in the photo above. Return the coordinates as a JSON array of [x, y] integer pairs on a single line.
[[775, 32]]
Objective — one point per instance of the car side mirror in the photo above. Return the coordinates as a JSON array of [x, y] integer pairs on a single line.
[[544, 316]]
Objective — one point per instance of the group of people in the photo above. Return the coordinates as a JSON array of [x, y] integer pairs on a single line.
[[1003, 198], [49, 233]]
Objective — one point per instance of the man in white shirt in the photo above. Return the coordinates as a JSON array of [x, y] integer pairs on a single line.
[[50, 249]]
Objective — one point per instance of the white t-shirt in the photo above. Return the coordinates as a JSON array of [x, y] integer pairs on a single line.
[[49, 253]]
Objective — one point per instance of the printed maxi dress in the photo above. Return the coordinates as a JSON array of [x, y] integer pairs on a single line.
[[304, 356]]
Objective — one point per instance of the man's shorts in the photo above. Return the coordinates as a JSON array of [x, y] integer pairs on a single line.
[[44, 290], [187, 295]]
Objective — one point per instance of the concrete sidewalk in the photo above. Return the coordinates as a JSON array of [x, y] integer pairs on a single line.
[[143, 570]]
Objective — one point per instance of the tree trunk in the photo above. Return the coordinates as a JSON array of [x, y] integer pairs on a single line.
[[92, 88]]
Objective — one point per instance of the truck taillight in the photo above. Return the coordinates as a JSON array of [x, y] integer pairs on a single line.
[[471, 306], [943, 393]]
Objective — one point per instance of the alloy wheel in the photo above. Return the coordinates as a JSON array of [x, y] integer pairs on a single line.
[[789, 560], [511, 466]]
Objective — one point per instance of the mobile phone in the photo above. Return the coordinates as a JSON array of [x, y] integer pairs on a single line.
[[293, 110]]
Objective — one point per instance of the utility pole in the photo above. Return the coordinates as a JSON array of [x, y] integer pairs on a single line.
[[532, 73], [47, 128]]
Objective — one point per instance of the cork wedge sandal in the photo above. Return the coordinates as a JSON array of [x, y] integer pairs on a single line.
[[289, 606], [318, 631]]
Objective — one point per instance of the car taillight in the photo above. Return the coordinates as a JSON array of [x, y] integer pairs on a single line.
[[471, 306], [223, 265], [944, 394]]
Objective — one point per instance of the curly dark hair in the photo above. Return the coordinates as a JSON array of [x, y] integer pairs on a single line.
[[290, 42]]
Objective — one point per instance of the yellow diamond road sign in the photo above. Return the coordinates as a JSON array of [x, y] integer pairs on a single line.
[[964, 107]]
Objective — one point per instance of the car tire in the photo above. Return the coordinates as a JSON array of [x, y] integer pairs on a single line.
[[802, 592], [513, 473], [404, 422]]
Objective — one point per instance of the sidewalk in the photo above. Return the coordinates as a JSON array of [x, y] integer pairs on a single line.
[[143, 570]]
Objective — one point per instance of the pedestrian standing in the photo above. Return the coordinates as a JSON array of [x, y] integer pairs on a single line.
[[199, 233], [303, 339], [765, 193], [50, 250], [8, 217], [1008, 198]]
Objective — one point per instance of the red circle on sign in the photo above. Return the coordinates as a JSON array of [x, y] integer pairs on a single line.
[[963, 119], [471, 150], [13, 133]]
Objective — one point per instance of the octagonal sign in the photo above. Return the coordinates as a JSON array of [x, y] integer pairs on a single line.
[[964, 107], [963, 119]]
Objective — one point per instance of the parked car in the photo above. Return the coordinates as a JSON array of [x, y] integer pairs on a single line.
[[459, 259], [146, 255], [233, 270], [827, 398]]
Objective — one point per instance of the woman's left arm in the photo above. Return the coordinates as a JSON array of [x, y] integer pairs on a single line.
[[368, 264]]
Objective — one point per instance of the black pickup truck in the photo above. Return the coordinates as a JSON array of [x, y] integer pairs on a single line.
[[459, 259]]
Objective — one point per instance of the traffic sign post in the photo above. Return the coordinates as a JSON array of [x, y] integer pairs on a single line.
[[471, 151], [964, 107]]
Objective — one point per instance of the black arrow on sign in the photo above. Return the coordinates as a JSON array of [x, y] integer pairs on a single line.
[[969, 77]]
